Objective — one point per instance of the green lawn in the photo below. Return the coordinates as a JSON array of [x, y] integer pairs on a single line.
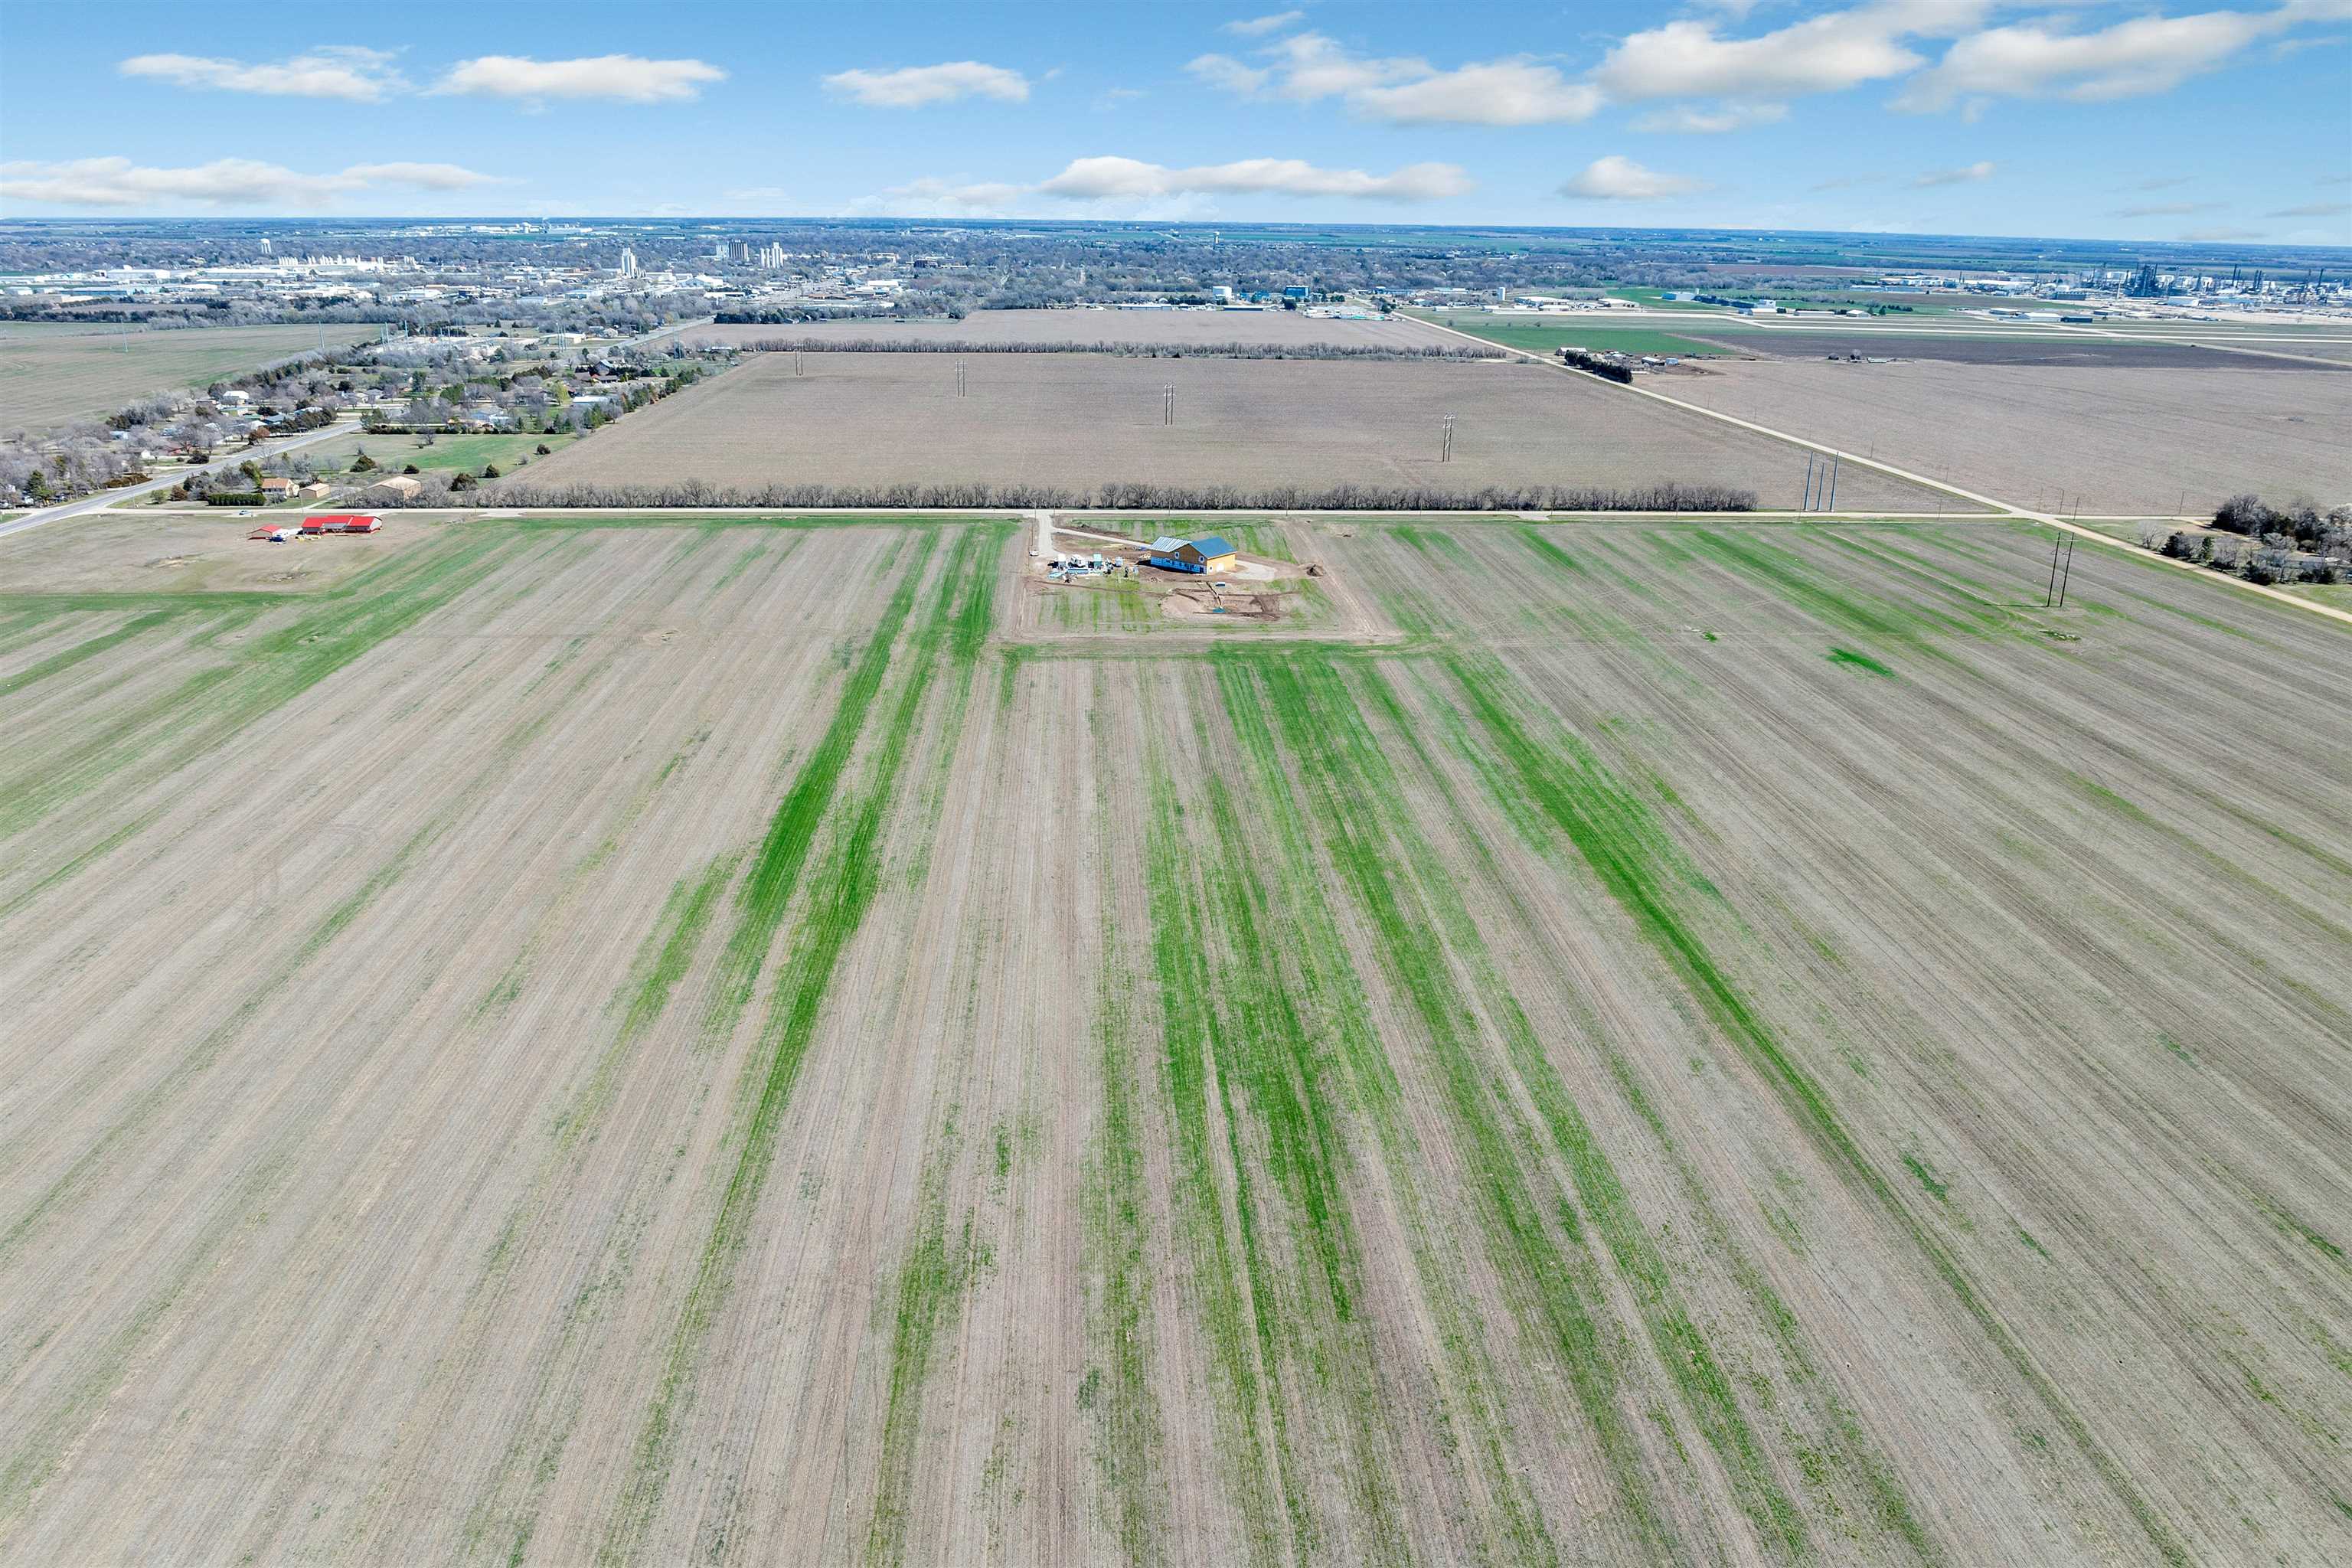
[[446, 455], [1544, 336]]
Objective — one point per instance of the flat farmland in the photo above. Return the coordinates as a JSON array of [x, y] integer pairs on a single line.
[[2124, 442], [1546, 335], [1084, 420], [646, 1040], [2069, 349], [1172, 329], [53, 378]]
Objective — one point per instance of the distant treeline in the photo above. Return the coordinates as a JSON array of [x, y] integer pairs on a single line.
[[1130, 495], [1123, 350]]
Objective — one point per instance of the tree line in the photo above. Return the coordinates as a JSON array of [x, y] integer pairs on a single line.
[[1117, 350], [1127, 496], [2263, 544]]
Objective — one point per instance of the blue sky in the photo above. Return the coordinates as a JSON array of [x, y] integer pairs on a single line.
[[2139, 121]]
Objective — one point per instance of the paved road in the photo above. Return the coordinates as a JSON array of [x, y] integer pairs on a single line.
[[2110, 540], [33, 520], [674, 328]]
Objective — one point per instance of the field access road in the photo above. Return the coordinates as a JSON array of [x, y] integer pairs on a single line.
[[104, 499], [2010, 509]]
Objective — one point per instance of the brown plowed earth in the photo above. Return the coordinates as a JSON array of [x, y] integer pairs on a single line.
[[1144, 1189], [1084, 420], [2116, 442]]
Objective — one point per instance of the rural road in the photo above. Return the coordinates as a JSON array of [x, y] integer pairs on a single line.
[[33, 520], [2108, 540]]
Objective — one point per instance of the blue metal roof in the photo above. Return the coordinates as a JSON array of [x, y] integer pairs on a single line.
[[1213, 546]]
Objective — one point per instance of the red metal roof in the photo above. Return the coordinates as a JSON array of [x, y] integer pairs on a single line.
[[342, 517]]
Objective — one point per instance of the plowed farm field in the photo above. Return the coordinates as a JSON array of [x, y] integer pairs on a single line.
[[2116, 441], [648, 1040], [1080, 420]]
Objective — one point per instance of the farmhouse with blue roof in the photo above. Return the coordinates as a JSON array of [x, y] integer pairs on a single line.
[[1194, 555]]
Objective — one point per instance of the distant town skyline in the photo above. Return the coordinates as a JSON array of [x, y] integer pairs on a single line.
[[2227, 124]]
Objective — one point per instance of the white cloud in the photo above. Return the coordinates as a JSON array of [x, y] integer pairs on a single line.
[[2167, 209], [2314, 209], [1620, 179], [2209, 235], [1258, 26], [1312, 66], [1967, 174], [346, 71], [1404, 89], [2143, 55], [1224, 72], [912, 87], [1684, 117], [1095, 179], [934, 197], [628, 79], [1503, 92], [223, 182], [1845, 182], [1828, 53]]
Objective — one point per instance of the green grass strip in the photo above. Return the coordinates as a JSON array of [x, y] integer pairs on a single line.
[[1847, 656], [1329, 712], [1629, 852], [211, 705], [1114, 1201], [1331, 999], [1556, 1287], [783, 851], [66, 658], [931, 1280], [840, 897]]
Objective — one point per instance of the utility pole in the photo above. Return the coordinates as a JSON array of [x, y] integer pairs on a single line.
[[960, 379], [2066, 574], [1809, 483], [2050, 593], [796, 362], [1837, 461], [1168, 404], [1445, 440]]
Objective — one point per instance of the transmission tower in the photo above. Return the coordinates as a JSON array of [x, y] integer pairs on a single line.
[[1445, 440]]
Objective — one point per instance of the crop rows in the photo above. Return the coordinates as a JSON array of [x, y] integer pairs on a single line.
[[646, 1038]]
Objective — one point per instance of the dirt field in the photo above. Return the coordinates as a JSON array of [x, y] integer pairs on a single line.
[[2081, 351], [2124, 442], [50, 378], [667, 1041], [1081, 420], [1173, 328]]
